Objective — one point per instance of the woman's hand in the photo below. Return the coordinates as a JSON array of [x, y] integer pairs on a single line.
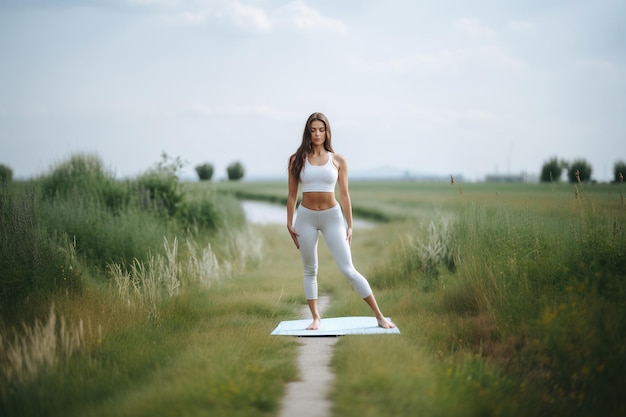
[[349, 236], [294, 235]]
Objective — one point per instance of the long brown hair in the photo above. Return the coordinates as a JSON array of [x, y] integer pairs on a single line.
[[296, 160]]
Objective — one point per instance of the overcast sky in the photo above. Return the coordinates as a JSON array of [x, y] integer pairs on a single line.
[[438, 87]]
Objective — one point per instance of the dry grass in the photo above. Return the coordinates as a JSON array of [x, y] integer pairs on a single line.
[[146, 284], [40, 346]]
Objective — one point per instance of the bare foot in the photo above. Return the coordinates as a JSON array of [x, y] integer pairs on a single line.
[[382, 322], [315, 325]]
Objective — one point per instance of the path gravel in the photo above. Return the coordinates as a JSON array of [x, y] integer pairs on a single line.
[[308, 397]]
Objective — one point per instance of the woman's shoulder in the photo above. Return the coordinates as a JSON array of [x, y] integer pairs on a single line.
[[339, 158]]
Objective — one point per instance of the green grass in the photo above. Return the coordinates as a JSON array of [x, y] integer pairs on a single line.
[[509, 298], [191, 362], [526, 322], [156, 326]]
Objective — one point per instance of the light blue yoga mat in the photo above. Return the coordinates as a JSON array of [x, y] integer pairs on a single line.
[[337, 326]]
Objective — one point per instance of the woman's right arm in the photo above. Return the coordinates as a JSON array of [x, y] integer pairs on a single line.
[[292, 199]]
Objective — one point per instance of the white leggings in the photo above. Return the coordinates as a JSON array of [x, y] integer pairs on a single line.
[[331, 223]]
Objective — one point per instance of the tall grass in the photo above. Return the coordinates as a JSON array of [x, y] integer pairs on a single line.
[[38, 348], [104, 251], [532, 314], [33, 263], [421, 254], [147, 284], [509, 302]]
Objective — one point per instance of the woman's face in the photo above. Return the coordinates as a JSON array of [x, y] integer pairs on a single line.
[[318, 132]]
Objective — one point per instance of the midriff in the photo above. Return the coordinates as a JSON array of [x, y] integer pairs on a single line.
[[318, 200]]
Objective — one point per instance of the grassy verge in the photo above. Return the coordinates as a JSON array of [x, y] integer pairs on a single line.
[[526, 320], [176, 323], [509, 298]]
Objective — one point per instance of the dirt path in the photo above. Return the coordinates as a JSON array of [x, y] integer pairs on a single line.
[[308, 397]]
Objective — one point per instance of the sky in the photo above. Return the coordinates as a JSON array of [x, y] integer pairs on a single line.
[[463, 88]]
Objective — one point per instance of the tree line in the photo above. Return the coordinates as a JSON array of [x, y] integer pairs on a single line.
[[234, 171], [578, 170]]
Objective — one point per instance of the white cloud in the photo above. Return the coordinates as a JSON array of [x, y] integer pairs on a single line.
[[194, 18], [156, 3], [444, 61], [264, 110], [308, 19], [248, 17], [473, 28], [197, 12]]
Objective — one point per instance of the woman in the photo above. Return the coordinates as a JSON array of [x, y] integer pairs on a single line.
[[319, 169]]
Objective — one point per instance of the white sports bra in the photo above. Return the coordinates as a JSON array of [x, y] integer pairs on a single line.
[[319, 178]]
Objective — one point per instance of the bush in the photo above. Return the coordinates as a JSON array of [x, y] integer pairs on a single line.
[[619, 171], [159, 187], [552, 170], [205, 172], [200, 214], [235, 171], [6, 174], [159, 192], [31, 262], [82, 176], [579, 171]]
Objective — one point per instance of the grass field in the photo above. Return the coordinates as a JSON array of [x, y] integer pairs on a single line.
[[509, 298]]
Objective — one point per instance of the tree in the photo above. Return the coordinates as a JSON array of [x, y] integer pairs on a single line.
[[579, 171], [235, 171], [619, 171], [552, 170], [6, 174], [205, 171]]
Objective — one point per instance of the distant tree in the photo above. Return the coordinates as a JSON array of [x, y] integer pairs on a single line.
[[579, 171], [6, 174], [235, 171], [205, 171], [619, 171], [552, 170]]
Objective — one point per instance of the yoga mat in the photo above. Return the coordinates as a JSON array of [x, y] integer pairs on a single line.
[[336, 326]]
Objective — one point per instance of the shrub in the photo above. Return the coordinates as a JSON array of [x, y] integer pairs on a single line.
[[200, 213], [579, 171], [159, 187], [31, 261], [6, 174], [235, 171], [81, 176], [102, 236], [619, 171], [552, 170], [205, 172]]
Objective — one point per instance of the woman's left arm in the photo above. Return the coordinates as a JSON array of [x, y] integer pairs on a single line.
[[344, 194]]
